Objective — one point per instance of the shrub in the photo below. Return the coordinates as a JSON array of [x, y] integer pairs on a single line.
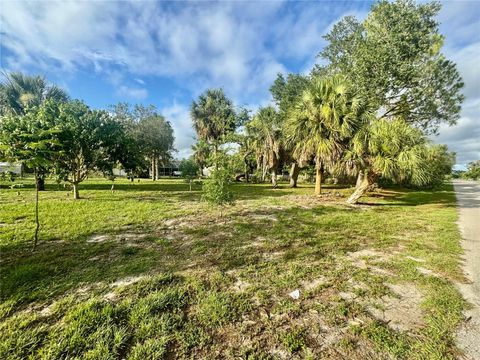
[[217, 188]]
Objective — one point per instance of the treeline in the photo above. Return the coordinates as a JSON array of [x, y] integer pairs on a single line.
[[42, 128], [472, 172], [365, 114]]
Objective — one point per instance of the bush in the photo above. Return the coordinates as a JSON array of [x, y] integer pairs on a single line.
[[217, 188]]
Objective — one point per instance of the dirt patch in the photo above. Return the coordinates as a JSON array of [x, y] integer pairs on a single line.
[[415, 259], [362, 259], [402, 311], [110, 296], [271, 256], [313, 284], [97, 238], [127, 281], [240, 285]]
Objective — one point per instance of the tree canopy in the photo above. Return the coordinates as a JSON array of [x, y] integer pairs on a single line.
[[394, 60]]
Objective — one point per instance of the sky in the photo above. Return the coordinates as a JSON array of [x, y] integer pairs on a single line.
[[167, 53]]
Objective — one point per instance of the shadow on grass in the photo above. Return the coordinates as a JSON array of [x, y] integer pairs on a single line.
[[55, 268], [411, 197]]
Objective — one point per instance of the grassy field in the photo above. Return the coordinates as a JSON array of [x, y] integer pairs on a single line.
[[150, 272]]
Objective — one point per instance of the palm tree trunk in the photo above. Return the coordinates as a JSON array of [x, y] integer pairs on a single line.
[[294, 172], [367, 180], [274, 178], [318, 181], [360, 177]]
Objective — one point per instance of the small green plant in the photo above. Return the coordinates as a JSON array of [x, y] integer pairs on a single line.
[[294, 339], [150, 349], [216, 309], [216, 189], [189, 170]]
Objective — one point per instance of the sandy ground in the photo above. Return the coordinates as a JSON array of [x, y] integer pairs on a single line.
[[468, 197]]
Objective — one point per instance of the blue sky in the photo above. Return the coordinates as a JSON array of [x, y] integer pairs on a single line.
[[167, 53]]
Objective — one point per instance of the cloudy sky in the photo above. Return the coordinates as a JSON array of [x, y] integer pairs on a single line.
[[167, 53]]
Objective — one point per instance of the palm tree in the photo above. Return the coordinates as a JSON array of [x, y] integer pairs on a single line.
[[213, 117], [18, 92], [201, 153], [391, 149], [266, 133], [327, 114]]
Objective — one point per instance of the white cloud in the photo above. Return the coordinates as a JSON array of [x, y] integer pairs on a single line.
[[464, 137], [179, 116], [132, 92]]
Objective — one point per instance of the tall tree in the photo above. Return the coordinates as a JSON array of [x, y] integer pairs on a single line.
[[19, 92], [214, 118], [327, 115], [157, 138], [201, 153], [286, 91], [90, 141], [394, 59], [150, 136], [266, 134]]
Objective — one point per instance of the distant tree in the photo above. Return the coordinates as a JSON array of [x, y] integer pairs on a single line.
[[189, 170], [19, 92], [394, 60], [150, 136], [214, 118], [439, 161], [247, 153], [473, 170], [265, 132], [31, 139], [286, 93], [156, 135], [201, 154]]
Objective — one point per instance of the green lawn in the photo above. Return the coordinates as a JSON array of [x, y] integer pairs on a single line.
[[150, 272]]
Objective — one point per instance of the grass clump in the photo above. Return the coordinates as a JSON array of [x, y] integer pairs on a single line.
[[294, 339]]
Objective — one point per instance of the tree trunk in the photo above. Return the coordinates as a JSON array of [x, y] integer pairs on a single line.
[[264, 169], [246, 173], [40, 183], [361, 174], [367, 181], [274, 178], [294, 172], [190, 183], [37, 223], [76, 195], [318, 181]]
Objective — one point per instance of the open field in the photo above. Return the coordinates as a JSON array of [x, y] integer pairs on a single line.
[[151, 272]]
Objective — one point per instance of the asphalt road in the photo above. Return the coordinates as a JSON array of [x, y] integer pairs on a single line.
[[468, 200]]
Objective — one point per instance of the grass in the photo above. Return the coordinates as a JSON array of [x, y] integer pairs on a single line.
[[150, 272]]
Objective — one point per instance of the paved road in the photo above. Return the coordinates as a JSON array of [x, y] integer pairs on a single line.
[[468, 198]]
